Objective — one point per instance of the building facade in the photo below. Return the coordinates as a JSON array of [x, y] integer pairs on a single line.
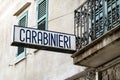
[[20, 63], [95, 23]]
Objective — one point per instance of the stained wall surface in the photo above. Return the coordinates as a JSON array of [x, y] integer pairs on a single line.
[[38, 64]]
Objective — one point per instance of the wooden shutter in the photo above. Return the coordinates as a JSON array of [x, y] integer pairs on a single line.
[[42, 9], [22, 22]]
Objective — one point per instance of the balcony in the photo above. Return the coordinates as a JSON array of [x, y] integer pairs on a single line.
[[97, 30]]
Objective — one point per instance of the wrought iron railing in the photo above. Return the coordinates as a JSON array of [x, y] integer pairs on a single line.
[[94, 18], [87, 74]]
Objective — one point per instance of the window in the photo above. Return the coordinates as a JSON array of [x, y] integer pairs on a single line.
[[22, 23], [42, 14]]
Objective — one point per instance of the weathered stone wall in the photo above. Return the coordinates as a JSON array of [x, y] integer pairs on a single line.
[[112, 73]]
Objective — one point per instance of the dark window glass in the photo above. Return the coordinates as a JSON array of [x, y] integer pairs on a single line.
[[22, 22], [42, 24]]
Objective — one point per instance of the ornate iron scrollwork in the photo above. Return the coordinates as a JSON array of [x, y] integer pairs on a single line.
[[94, 18], [91, 75]]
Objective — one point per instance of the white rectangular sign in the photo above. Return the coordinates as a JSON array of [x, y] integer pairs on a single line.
[[48, 40]]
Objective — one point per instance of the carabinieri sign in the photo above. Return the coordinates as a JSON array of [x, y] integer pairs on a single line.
[[47, 40]]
